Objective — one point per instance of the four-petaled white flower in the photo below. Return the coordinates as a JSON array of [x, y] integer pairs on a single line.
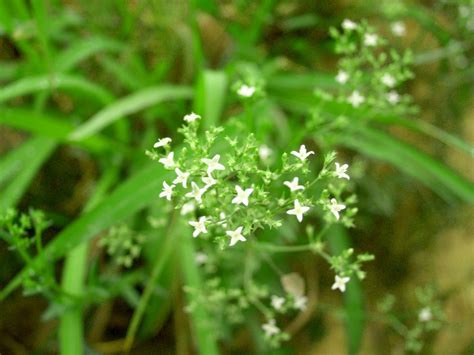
[[196, 192], [188, 208], [236, 236], [277, 302], [246, 91], [191, 117], [242, 196], [336, 207], [162, 142], [168, 161], [182, 177], [370, 39], [298, 211], [199, 226], [393, 97], [293, 185], [341, 171], [264, 152], [213, 164], [302, 153], [342, 77], [301, 302], [388, 80], [425, 315], [270, 328], [208, 181], [398, 28], [340, 283], [349, 25], [167, 191], [356, 99]]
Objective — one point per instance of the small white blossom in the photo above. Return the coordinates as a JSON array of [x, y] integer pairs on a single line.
[[398, 28], [199, 226], [298, 211], [213, 164], [356, 99], [167, 191], [349, 25], [293, 185], [336, 207], [162, 142], [393, 97], [191, 117], [341, 171], [242, 196], [301, 302], [208, 181], [236, 236], [270, 328], [340, 283], [388, 80], [168, 161], [277, 302], [246, 91], [371, 39], [200, 258], [222, 221], [182, 177], [264, 152], [196, 192], [302, 154], [425, 315], [342, 77], [188, 208]]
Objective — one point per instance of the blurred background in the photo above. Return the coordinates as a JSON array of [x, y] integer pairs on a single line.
[[65, 62]]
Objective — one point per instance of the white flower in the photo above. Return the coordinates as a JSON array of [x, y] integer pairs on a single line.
[[393, 97], [242, 196], [191, 117], [167, 191], [208, 181], [270, 328], [370, 39], [188, 208], [200, 258], [196, 192], [298, 211], [168, 161], [342, 77], [162, 142], [398, 28], [182, 178], [349, 25], [293, 185], [341, 171], [222, 221], [301, 303], [236, 236], [356, 99], [213, 164], [199, 226], [277, 302], [246, 91], [340, 283], [425, 315], [335, 207], [388, 80], [302, 154], [264, 152]]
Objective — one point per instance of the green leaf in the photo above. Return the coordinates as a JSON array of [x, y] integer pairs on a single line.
[[134, 194], [128, 105], [210, 96], [353, 298]]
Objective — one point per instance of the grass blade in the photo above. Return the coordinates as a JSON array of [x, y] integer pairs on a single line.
[[210, 96]]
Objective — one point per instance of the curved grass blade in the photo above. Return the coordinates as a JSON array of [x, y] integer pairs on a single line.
[[128, 105]]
